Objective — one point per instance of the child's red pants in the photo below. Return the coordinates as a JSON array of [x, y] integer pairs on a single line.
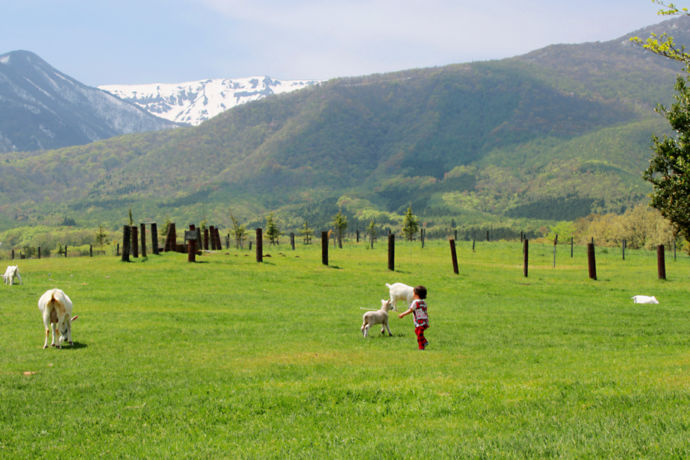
[[421, 341]]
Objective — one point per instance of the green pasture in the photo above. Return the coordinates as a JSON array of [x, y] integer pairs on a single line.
[[229, 358]]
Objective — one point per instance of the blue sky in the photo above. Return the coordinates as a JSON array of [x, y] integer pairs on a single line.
[[146, 41]]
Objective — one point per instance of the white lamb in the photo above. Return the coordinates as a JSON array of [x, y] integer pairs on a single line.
[[644, 299], [11, 273], [400, 291], [57, 309], [377, 317]]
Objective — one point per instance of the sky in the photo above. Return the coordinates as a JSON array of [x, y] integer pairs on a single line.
[[102, 42]]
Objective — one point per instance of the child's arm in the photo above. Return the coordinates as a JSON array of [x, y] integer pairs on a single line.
[[405, 313]]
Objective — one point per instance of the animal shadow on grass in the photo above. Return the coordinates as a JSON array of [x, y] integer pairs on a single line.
[[74, 346]]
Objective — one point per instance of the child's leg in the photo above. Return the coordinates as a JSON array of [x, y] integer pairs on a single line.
[[421, 341]]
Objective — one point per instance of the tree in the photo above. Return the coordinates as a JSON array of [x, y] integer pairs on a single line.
[[272, 230], [410, 225], [101, 236], [340, 224], [238, 231], [663, 44], [669, 169], [306, 232], [371, 232]]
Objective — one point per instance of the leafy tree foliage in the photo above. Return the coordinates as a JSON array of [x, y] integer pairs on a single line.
[[663, 44], [272, 230], [101, 236], [371, 233], [238, 231], [641, 227], [410, 225], [306, 232], [669, 169], [340, 225]]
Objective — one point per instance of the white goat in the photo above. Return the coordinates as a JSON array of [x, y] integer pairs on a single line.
[[57, 309], [644, 299], [11, 273], [400, 291], [377, 317]]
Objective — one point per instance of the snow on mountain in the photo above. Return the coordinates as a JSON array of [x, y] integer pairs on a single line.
[[196, 101]]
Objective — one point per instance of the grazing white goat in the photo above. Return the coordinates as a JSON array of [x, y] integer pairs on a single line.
[[644, 299], [57, 309], [11, 273], [377, 317], [400, 291]]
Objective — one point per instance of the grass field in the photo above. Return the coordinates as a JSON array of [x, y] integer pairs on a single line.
[[227, 358]]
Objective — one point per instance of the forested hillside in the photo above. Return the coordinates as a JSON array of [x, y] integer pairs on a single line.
[[555, 134]]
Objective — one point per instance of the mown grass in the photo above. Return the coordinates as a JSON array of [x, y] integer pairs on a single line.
[[228, 358]]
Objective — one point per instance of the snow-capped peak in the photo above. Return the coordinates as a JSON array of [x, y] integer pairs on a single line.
[[196, 101]]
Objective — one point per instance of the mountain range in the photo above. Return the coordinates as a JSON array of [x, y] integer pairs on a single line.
[[196, 101], [42, 108], [555, 134]]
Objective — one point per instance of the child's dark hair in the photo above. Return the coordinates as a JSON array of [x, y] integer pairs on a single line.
[[420, 291]]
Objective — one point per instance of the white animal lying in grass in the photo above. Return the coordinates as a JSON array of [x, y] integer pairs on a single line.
[[57, 310], [644, 299], [400, 291], [11, 273], [377, 317]]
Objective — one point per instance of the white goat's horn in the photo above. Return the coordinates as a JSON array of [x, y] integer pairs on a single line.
[[74, 317]]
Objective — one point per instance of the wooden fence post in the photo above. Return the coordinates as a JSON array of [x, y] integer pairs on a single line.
[[135, 241], [591, 262], [65, 251], [324, 248], [391, 251], [126, 242], [525, 257], [190, 238], [259, 245], [171, 238], [292, 240], [90, 250], [661, 262], [555, 244], [454, 257], [623, 248], [39, 252], [142, 230], [422, 236], [154, 238], [571, 246], [199, 240]]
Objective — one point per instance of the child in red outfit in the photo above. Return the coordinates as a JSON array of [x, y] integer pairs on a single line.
[[421, 318]]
